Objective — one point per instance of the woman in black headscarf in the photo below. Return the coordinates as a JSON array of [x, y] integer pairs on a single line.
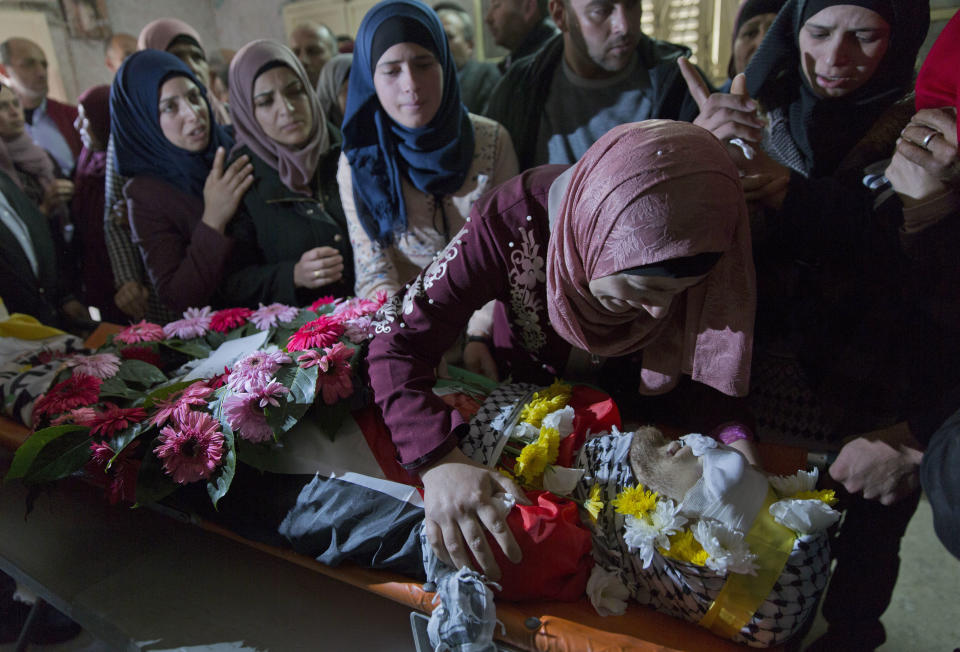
[[833, 338]]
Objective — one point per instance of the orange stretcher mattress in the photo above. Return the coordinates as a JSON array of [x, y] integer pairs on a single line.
[[541, 625]]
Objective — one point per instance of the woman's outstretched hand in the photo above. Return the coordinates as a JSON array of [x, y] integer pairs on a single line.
[[725, 115], [224, 189], [459, 508]]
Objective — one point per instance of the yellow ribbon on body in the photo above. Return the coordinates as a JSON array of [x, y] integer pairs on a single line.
[[742, 595]]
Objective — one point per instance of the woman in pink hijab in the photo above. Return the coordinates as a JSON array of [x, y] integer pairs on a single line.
[[631, 269]]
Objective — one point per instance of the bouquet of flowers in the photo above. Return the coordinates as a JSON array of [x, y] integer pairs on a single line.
[[162, 406]]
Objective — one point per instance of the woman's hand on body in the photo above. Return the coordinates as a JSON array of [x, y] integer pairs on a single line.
[[459, 508], [929, 142], [478, 359], [224, 189], [725, 115], [318, 267]]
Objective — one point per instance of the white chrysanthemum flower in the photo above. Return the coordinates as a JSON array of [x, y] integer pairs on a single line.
[[804, 516], [667, 520], [607, 593], [728, 551], [699, 443], [791, 485], [642, 538], [561, 419], [560, 479], [525, 431]]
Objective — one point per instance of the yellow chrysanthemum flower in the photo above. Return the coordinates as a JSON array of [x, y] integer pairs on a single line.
[[544, 402], [531, 463], [683, 547], [828, 496], [550, 439], [594, 504], [635, 501]]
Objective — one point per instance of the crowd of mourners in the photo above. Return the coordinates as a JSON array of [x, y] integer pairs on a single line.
[[778, 253]]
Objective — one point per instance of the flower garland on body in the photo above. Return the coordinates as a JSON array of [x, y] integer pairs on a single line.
[[132, 391]]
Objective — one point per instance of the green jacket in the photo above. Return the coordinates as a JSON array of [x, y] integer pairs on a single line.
[[277, 225]]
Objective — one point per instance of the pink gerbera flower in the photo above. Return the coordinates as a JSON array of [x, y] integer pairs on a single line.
[[141, 332], [335, 381], [115, 419], [120, 480], [356, 307], [256, 370], [195, 323], [192, 448], [142, 353], [79, 390], [322, 331], [229, 318], [245, 412], [195, 394], [98, 365], [321, 302], [269, 316]]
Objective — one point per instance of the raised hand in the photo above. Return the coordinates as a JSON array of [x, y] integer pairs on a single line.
[[224, 189], [725, 115], [930, 141]]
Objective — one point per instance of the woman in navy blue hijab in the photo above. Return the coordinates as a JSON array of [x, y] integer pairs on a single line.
[[180, 199], [414, 159]]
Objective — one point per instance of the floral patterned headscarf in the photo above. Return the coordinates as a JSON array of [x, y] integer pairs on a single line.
[[645, 193]]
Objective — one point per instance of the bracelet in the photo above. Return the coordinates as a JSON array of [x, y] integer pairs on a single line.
[[483, 339]]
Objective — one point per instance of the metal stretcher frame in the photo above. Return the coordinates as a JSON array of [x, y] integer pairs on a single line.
[[535, 626]]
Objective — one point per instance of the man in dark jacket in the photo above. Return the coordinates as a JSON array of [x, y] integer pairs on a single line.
[[30, 281], [477, 78], [521, 26], [601, 71]]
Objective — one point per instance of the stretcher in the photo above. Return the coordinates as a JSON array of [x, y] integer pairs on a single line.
[[540, 625]]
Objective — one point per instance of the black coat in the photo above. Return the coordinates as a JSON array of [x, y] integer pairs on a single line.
[[40, 294], [277, 225]]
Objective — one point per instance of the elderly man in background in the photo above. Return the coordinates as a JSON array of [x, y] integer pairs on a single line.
[[521, 26], [23, 67], [477, 78], [314, 45], [117, 48]]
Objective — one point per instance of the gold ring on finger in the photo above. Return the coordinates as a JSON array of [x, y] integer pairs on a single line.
[[316, 273]]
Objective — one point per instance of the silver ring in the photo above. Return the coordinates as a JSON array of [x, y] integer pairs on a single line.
[[929, 137]]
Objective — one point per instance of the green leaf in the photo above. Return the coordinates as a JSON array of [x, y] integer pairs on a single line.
[[60, 458], [25, 456], [303, 390], [116, 388], [126, 438], [219, 484], [153, 483], [140, 373], [330, 417], [193, 348], [215, 339]]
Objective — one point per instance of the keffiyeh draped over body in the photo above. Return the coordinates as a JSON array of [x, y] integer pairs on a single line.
[[296, 167], [435, 158], [644, 193], [824, 130], [142, 149]]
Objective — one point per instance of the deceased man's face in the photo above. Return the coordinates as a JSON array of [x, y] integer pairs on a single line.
[[663, 465]]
